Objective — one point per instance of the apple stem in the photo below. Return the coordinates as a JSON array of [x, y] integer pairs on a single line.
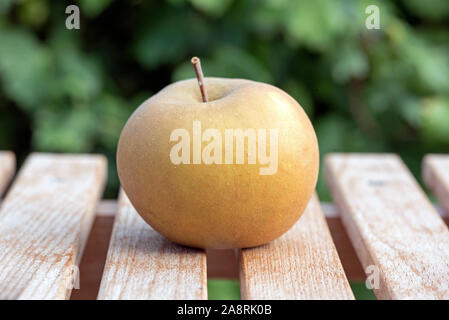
[[196, 63]]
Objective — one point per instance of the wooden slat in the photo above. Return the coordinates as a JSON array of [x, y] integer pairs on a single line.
[[44, 223], [141, 264], [436, 177], [7, 168], [392, 225], [302, 264]]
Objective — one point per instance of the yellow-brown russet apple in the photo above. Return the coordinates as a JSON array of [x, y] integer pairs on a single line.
[[220, 204]]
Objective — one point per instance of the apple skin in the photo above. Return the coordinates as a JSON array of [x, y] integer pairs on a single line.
[[217, 205]]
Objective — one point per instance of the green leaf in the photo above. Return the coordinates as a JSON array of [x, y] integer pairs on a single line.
[[429, 9], [410, 109], [79, 75], [112, 112], [33, 12], [25, 67], [212, 7], [65, 131], [315, 23], [431, 64], [168, 38], [93, 8], [435, 122], [5, 6], [349, 62]]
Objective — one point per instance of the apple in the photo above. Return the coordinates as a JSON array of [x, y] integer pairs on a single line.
[[230, 165]]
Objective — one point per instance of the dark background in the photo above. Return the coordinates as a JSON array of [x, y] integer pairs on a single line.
[[365, 90]]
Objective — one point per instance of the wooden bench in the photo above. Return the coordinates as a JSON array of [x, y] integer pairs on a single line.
[[57, 235]]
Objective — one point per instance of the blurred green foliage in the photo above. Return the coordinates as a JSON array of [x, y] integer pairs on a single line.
[[365, 90]]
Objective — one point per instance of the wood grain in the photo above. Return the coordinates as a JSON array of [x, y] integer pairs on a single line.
[[7, 168], [436, 177], [141, 264], [44, 222], [392, 225], [302, 264]]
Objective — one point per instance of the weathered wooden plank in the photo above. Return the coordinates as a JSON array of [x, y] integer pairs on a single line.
[[436, 177], [399, 238], [7, 168], [44, 223], [302, 264], [141, 264]]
